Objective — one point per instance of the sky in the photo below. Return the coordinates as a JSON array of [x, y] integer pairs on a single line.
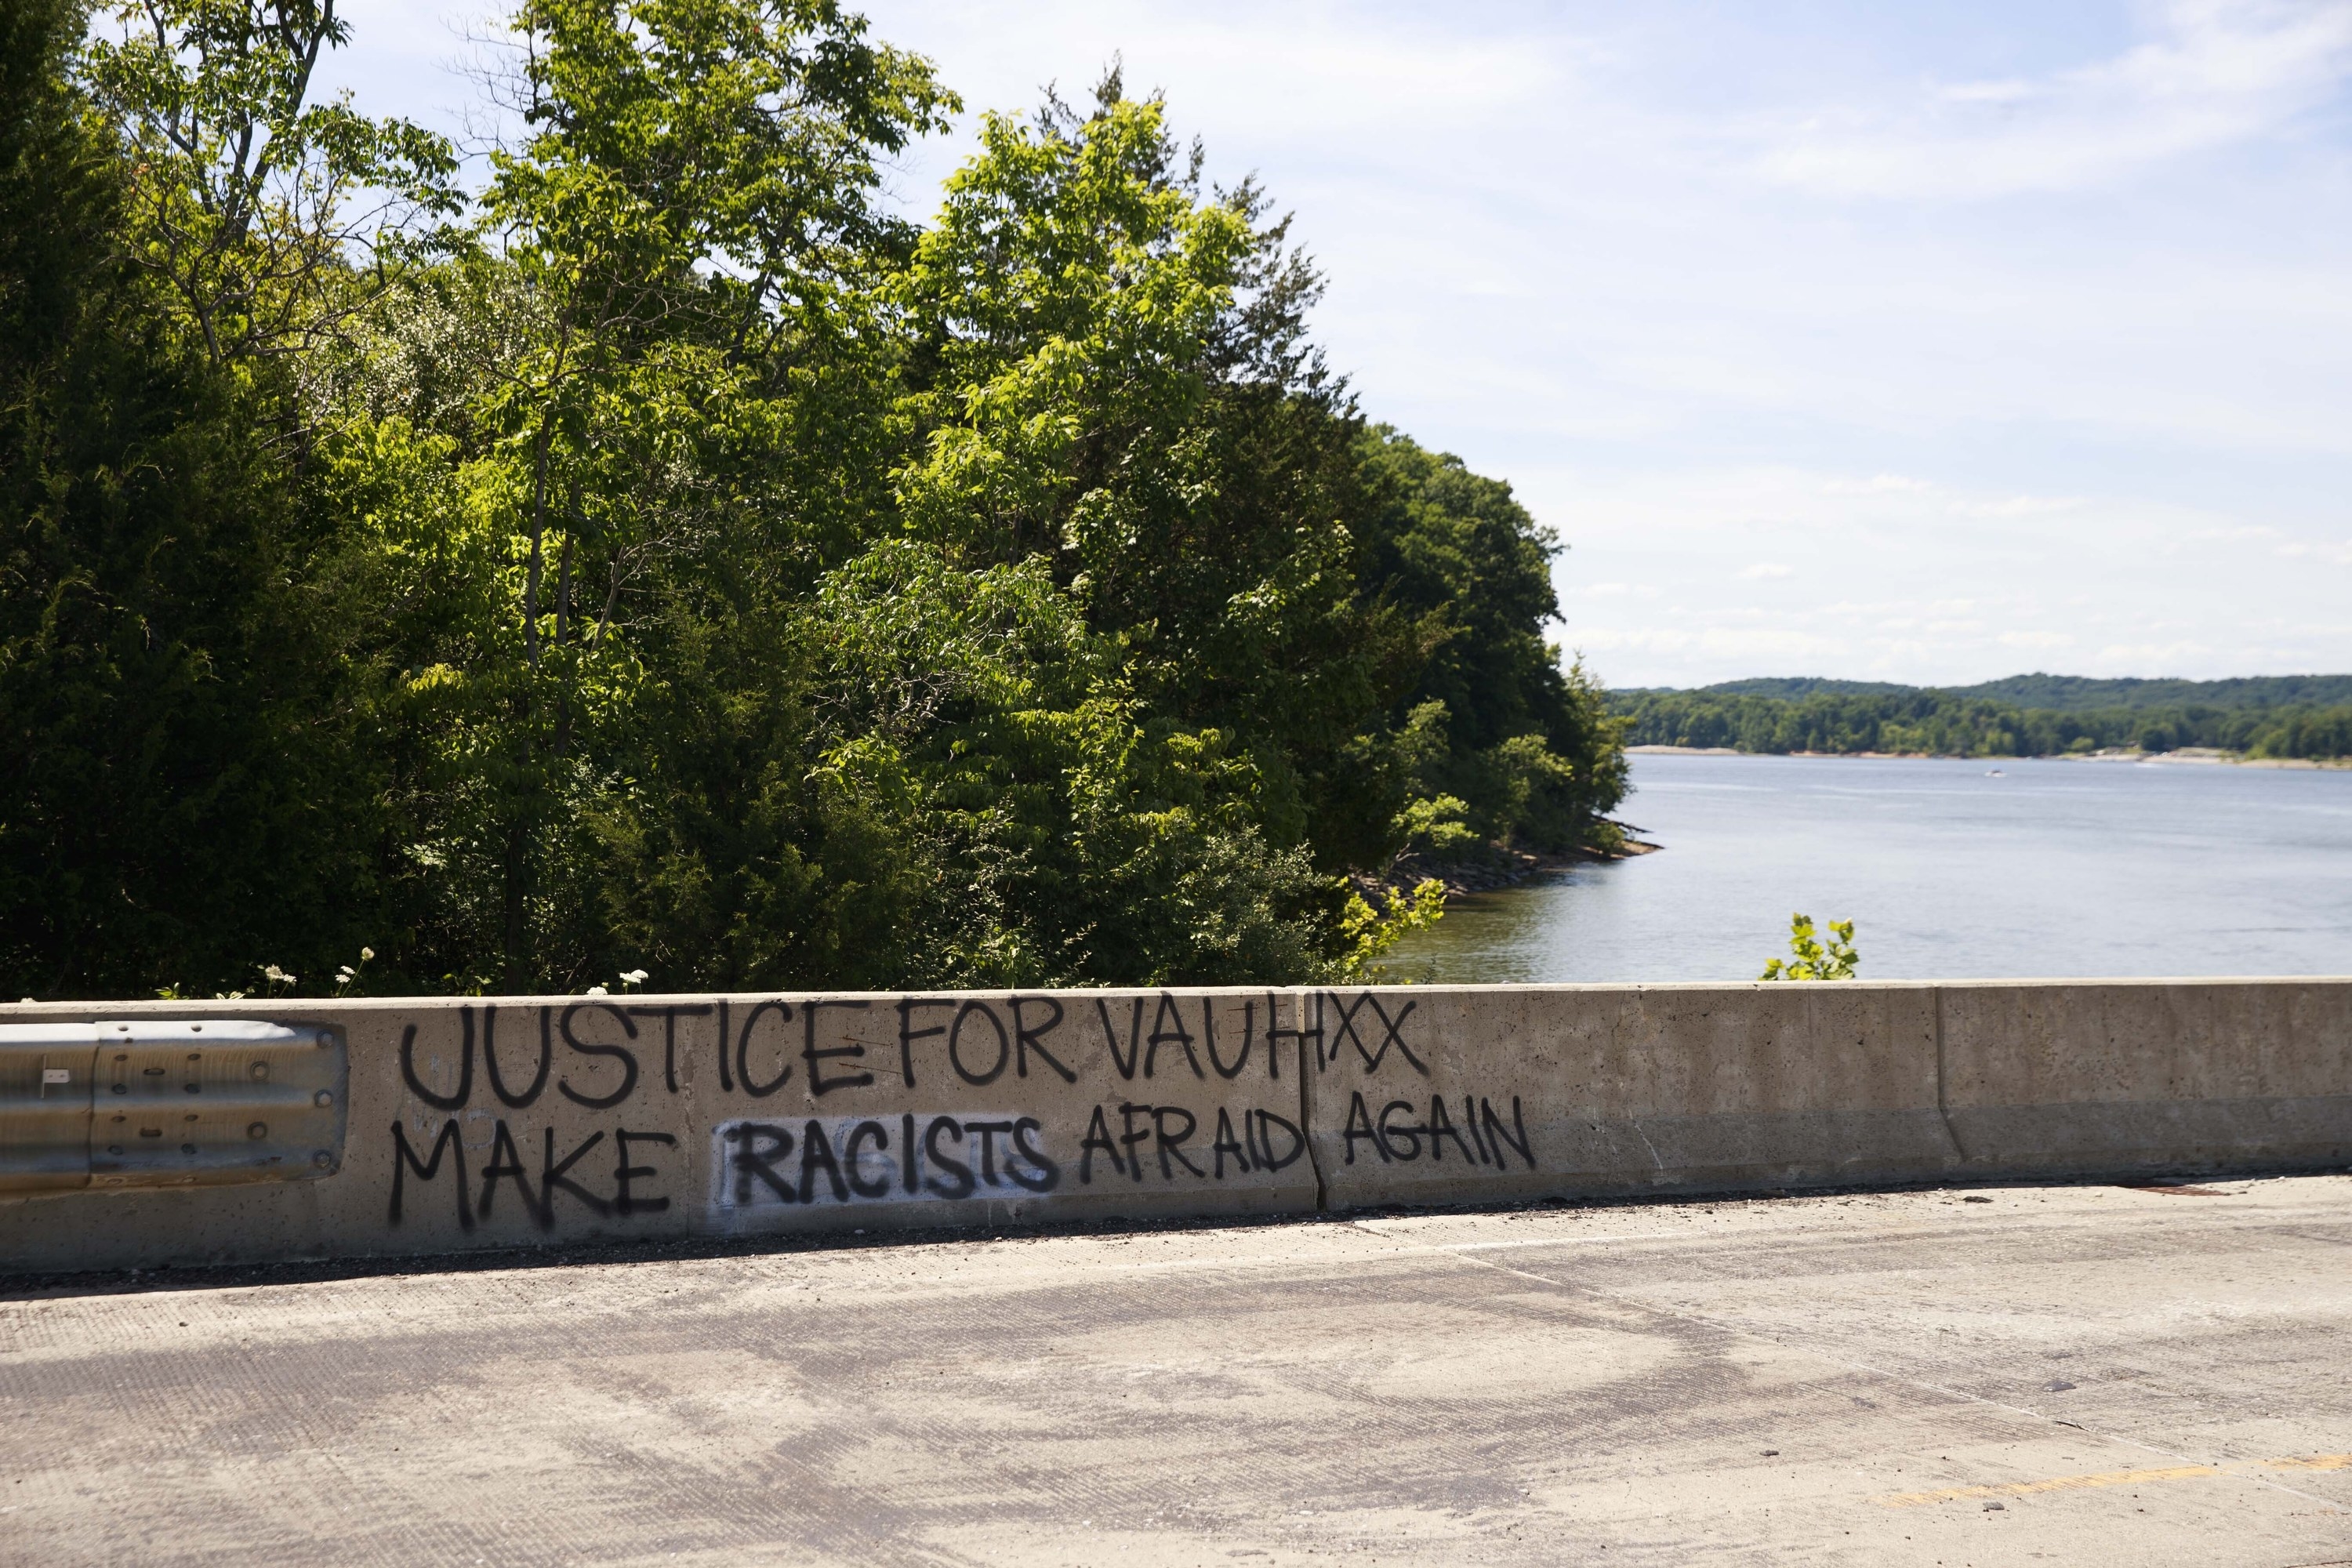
[[1928, 342]]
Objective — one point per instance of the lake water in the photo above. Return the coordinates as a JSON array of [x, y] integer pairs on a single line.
[[1950, 870]]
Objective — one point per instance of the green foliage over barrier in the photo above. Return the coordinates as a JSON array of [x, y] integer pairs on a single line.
[[669, 561], [1814, 960]]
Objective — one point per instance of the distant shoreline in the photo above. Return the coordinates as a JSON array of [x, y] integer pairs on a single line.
[[2186, 756], [2275, 720]]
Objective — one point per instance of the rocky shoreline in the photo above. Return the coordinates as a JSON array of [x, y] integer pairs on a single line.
[[1498, 868]]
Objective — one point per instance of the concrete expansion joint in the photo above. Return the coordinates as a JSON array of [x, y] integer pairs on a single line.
[[1943, 1091]]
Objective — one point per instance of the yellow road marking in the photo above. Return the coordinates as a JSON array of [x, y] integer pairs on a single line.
[[2114, 1478]]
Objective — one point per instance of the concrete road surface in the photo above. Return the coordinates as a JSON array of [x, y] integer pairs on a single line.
[[2072, 1375]]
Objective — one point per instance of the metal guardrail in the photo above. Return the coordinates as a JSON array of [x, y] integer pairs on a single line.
[[161, 1102]]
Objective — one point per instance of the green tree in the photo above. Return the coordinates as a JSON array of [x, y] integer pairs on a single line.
[[253, 201], [661, 436], [1528, 749], [183, 791], [1088, 330], [685, 568]]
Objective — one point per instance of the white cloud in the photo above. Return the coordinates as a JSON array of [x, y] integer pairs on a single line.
[[2155, 658], [2011, 91], [1765, 569], [1751, 647], [2233, 533], [1931, 582], [2220, 71], [1878, 484], [2024, 506]]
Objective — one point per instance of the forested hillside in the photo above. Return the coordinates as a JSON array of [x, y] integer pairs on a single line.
[[2076, 693], [2281, 717], [655, 555], [2058, 693]]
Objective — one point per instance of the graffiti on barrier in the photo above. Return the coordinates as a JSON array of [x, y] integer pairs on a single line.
[[540, 1113]]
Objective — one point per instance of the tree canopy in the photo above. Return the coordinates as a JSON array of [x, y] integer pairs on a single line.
[[665, 556]]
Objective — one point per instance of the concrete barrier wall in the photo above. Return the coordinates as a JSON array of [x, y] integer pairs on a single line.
[[497, 1122], [1520, 1092], [2122, 1077]]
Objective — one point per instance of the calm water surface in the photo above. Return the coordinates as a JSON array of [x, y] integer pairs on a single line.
[[1951, 871]]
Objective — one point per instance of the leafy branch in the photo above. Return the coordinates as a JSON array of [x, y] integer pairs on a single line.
[[1814, 961]]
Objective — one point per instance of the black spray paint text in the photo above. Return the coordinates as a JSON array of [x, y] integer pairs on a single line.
[[1480, 1137], [900, 1158], [599, 1054], [642, 1165]]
